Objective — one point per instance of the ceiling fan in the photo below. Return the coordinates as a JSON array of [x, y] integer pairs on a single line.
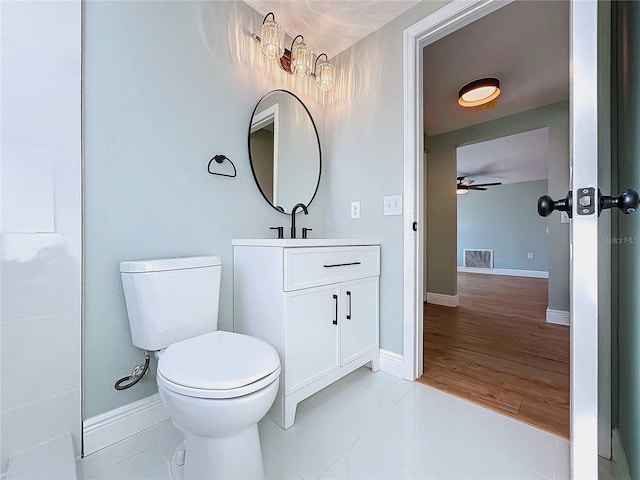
[[463, 186]]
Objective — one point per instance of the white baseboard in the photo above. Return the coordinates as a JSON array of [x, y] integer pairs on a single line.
[[620, 465], [558, 317], [392, 363], [505, 271], [111, 427], [442, 299]]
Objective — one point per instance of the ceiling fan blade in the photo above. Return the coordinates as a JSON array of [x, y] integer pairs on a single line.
[[475, 187], [488, 184]]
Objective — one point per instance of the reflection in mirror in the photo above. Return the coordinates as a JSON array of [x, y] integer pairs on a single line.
[[284, 150]]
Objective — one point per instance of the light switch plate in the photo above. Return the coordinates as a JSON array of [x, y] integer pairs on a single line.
[[355, 209], [393, 205]]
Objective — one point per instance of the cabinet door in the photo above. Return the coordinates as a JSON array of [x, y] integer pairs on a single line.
[[311, 336], [359, 318]]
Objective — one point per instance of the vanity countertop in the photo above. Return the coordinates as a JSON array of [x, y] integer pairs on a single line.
[[303, 242]]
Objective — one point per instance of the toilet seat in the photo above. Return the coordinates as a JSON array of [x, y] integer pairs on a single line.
[[218, 365]]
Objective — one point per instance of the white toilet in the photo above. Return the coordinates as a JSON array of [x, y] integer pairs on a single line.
[[216, 385]]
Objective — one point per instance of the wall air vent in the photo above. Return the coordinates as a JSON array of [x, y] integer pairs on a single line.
[[478, 258]]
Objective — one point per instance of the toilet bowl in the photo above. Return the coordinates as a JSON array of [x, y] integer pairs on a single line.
[[215, 385]]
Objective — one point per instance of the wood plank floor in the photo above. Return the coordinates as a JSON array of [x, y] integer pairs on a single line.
[[497, 350]]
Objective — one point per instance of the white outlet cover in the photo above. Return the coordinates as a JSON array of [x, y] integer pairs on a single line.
[[355, 209]]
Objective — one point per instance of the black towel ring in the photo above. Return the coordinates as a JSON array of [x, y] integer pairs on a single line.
[[220, 159]]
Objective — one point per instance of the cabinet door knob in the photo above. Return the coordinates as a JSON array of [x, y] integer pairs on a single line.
[[349, 309], [335, 321]]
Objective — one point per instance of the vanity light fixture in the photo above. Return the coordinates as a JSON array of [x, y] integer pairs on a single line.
[[479, 92], [325, 73], [301, 57], [271, 37], [298, 60]]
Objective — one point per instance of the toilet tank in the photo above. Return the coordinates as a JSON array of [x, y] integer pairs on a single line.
[[171, 299]]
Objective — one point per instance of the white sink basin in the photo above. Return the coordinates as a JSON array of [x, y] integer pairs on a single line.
[[303, 242]]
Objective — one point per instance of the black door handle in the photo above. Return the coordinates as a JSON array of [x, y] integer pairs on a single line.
[[627, 201], [546, 205]]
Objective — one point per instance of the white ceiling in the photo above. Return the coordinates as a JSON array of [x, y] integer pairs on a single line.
[[331, 26], [516, 158], [524, 44]]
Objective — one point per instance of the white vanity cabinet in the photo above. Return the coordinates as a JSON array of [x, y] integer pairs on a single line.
[[316, 302]]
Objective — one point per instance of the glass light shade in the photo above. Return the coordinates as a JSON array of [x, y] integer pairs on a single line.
[[302, 59], [462, 191], [479, 92], [272, 39], [325, 76]]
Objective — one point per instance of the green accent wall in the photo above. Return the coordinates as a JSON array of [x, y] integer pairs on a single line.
[[505, 219], [166, 86]]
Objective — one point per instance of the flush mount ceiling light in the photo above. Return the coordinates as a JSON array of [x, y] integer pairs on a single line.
[[479, 92], [300, 59]]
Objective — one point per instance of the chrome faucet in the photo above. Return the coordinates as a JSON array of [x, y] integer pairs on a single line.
[[293, 217]]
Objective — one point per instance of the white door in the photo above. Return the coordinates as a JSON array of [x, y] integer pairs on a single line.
[[585, 240]]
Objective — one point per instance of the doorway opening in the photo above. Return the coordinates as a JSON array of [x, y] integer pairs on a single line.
[[489, 332]]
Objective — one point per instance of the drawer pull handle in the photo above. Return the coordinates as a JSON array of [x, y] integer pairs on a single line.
[[335, 321], [341, 264], [349, 311]]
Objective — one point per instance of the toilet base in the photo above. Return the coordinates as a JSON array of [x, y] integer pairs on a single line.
[[235, 456], [176, 466]]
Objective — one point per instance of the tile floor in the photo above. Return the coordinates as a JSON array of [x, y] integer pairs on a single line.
[[368, 426]]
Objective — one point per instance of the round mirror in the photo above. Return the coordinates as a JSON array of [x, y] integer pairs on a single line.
[[284, 150]]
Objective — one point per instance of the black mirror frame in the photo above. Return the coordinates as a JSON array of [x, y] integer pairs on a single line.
[[315, 129]]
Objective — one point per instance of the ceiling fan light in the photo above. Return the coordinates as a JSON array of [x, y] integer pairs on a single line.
[[461, 191], [479, 92]]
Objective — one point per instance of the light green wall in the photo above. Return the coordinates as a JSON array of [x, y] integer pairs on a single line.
[[364, 151], [167, 85], [628, 237], [440, 257], [504, 218], [175, 84]]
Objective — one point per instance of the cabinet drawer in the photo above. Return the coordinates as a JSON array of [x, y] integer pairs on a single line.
[[309, 267]]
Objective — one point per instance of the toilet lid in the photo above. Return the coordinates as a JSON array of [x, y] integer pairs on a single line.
[[218, 361]]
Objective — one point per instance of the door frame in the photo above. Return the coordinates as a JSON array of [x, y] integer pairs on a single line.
[[430, 29]]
